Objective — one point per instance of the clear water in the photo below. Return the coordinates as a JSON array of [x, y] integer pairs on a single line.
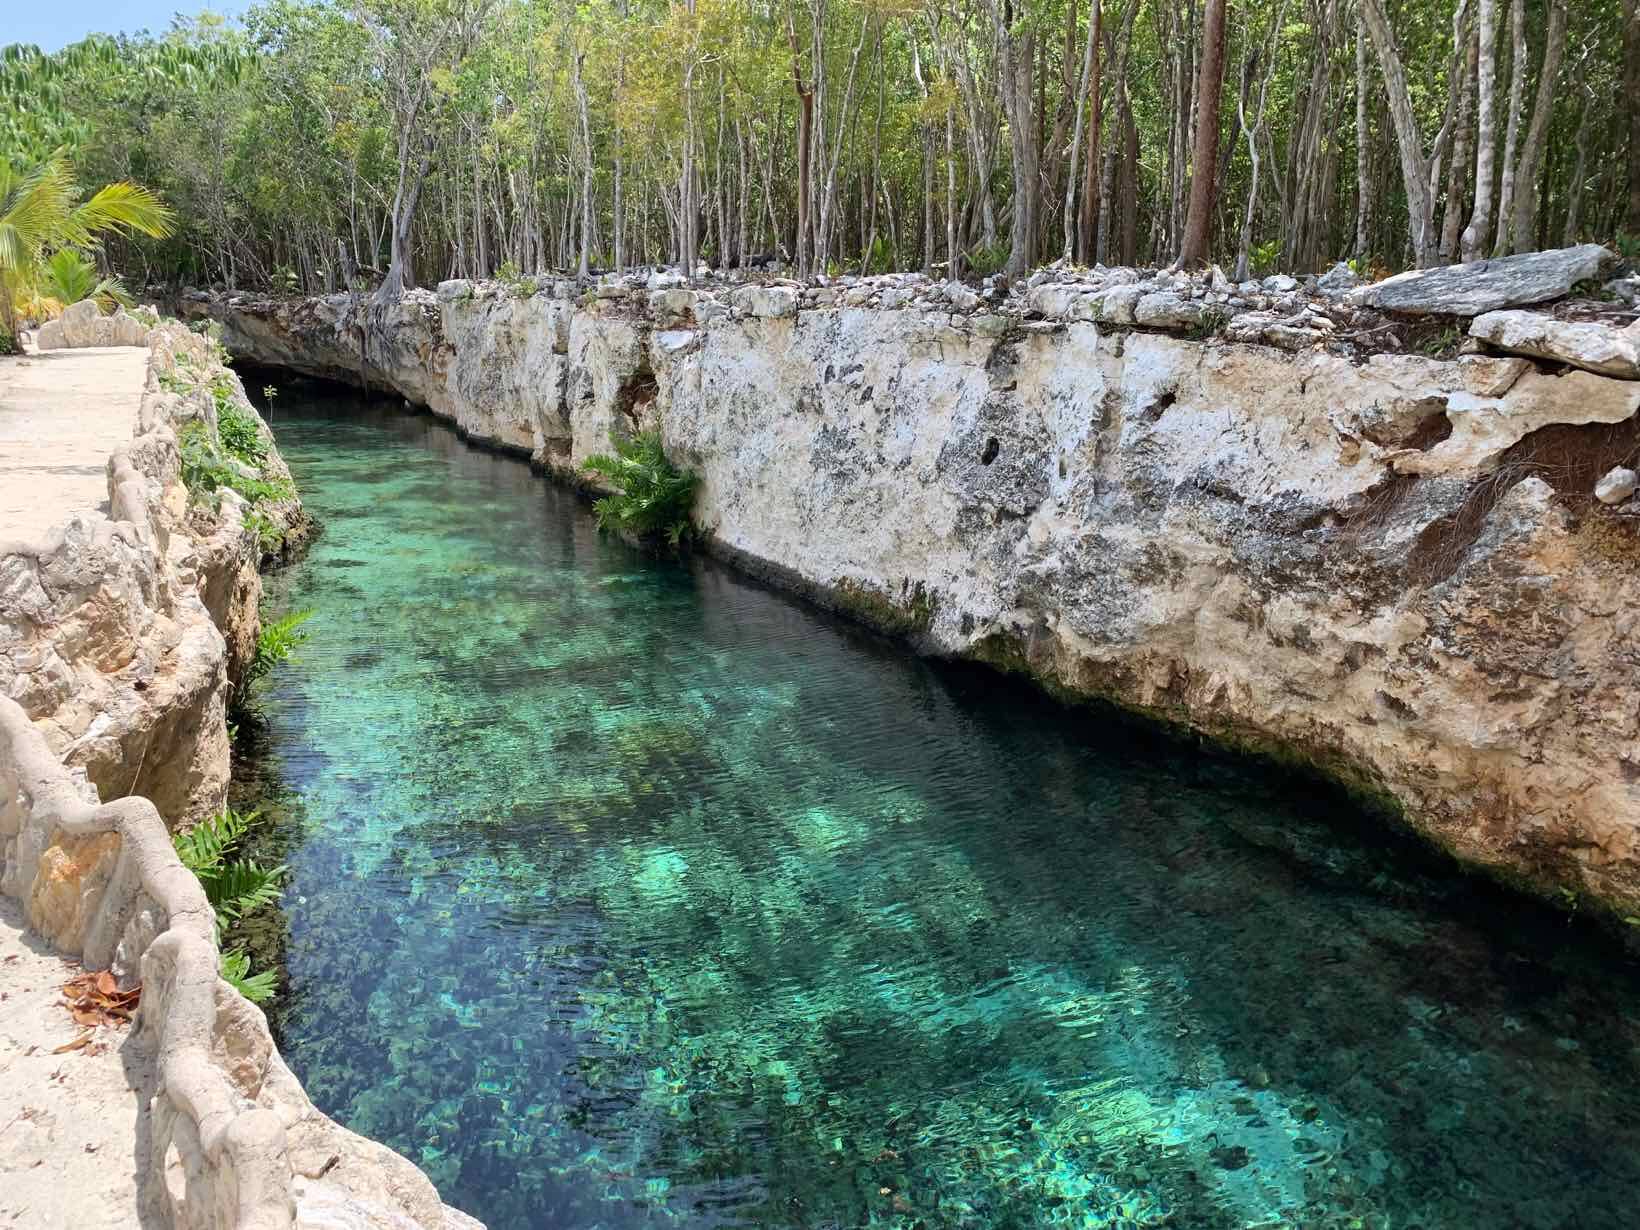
[[625, 892]]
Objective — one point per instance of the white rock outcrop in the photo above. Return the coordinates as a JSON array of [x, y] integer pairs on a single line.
[[1385, 566]]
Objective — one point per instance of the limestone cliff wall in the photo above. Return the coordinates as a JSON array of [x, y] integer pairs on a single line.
[[1388, 566], [120, 635]]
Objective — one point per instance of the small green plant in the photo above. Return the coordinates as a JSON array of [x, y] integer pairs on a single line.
[[1441, 342], [1265, 257], [275, 645], [1628, 247], [517, 284], [269, 393], [653, 497], [235, 888], [207, 469], [984, 260]]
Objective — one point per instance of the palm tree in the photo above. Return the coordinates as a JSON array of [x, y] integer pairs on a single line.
[[69, 276], [39, 215]]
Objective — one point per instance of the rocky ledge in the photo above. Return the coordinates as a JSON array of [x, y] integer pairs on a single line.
[[1248, 509], [121, 635]]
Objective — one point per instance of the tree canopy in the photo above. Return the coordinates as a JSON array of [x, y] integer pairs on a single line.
[[403, 140]]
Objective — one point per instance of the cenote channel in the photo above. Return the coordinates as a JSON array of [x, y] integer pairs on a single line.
[[624, 891]]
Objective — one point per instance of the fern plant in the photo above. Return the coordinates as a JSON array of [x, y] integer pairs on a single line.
[[235, 888], [276, 644], [652, 496]]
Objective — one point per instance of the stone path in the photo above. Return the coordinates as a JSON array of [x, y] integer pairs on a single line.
[[68, 1123], [61, 413]]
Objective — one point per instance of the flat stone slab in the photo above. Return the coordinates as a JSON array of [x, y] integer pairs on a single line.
[[62, 412], [68, 1123], [1586, 344], [1487, 286]]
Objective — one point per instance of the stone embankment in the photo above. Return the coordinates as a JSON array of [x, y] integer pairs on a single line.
[[121, 633], [1353, 527]]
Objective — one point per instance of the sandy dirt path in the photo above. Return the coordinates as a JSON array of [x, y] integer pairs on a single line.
[[69, 1131], [61, 413]]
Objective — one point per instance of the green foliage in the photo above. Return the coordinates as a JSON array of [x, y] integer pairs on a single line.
[[276, 644], [69, 277], [207, 469], [259, 988], [517, 284], [235, 888], [652, 497], [1265, 257], [984, 260], [1628, 247]]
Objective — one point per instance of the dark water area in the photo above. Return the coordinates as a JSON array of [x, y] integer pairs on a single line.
[[626, 892]]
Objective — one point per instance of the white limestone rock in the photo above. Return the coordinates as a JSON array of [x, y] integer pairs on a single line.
[[1617, 485], [1591, 346]]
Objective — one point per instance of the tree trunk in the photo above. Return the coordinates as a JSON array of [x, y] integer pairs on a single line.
[[1511, 140], [1452, 219], [1363, 193], [1476, 234], [1631, 93], [1016, 60], [1079, 223], [1524, 221], [1204, 160], [1414, 166]]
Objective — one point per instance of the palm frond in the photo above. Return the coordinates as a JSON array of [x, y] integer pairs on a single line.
[[124, 207]]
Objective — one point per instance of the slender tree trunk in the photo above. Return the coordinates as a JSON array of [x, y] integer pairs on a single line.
[[1476, 234], [1524, 220], [1414, 166], [1631, 93], [1079, 225], [1363, 189], [1452, 219], [1204, 166], [1574, 192], [1511, 140], [803, 253]]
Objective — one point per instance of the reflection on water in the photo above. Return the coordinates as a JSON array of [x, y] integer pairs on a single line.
[[626, 892]]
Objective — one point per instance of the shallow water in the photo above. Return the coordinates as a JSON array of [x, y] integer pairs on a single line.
[[626, 892]]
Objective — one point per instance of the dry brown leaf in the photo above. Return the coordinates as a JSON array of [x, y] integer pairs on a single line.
[[75, 1045]]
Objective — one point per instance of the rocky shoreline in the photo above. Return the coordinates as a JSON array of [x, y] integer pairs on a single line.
[[1276, 514], [121, 636]]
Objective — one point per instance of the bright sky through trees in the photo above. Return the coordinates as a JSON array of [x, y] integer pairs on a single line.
[[53, 27]]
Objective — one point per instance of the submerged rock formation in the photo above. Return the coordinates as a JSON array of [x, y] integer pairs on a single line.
[[1389, 566]]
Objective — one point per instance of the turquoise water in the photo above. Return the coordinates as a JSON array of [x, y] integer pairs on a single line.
[[625, 893]]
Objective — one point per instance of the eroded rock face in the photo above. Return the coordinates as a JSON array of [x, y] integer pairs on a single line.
[[121, 636], [1390, 568], [83, 324]]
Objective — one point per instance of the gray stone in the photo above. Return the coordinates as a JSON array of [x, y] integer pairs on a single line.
[[671, 302], [961, 297], [1166, 310], [989, 324], [1280, 284], [770, 302], [1618, 485], [1592, 346], [1116, 305], [1339, 278], [1486, 286]]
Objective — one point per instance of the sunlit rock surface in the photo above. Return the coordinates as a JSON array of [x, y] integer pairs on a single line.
[[1386, 565]]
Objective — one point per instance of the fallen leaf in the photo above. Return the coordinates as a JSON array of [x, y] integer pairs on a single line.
[[75, 1045]]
